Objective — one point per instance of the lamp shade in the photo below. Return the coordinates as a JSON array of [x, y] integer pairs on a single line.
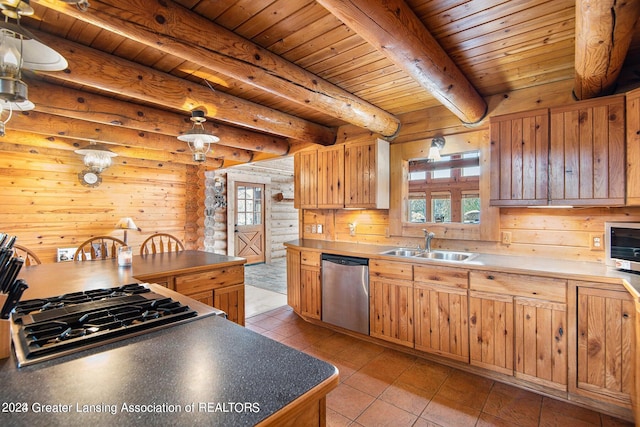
[[35, 54], [97, 157], [127, 223]]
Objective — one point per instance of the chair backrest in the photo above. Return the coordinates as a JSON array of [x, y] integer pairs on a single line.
[[30, 258], [161, 242], [101, 247]]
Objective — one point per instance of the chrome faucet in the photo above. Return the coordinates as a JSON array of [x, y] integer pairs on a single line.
[[427, 239]]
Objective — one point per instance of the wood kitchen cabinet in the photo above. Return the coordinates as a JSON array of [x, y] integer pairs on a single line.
[[310, 285], [633, 147], [519, 158], [305, 165], [391, 301], [603, 354], [587, 153], [517, 326], [366, 183], [441, 310], [221, 288], [293, 279], [354, 175]]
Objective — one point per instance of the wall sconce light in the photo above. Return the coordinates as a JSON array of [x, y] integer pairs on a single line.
[[20, 49], [437, 144], [198, 138], [97, 157], [125, 224]]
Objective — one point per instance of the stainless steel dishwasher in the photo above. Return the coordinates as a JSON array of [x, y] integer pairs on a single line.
[[345, 292]]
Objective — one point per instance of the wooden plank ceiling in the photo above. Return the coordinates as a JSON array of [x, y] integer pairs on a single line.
[[273, 73]]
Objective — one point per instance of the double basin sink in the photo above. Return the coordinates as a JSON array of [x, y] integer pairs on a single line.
[[438, 255]]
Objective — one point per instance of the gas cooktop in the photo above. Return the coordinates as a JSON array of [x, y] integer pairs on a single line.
[[51, 327]]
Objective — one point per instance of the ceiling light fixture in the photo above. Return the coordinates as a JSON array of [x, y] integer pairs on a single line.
[[20, 49], [97, 157], [198, 138], [82, 5], [437, 144]]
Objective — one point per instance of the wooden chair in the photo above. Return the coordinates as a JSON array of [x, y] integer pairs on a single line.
[[30, 258], [161, 242], [101, 247]]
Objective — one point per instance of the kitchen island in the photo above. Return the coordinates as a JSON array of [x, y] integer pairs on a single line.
[[205, 371], [216, 280]]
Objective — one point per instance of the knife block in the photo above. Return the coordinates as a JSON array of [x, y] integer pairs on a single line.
[[5, 333]]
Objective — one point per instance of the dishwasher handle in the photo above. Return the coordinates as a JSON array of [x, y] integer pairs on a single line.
[[345, 260]]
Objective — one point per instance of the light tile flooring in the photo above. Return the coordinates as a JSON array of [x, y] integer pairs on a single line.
[[384, 387]]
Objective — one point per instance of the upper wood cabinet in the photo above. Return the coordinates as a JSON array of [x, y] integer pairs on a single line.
[[519, 158], [354, 175], [633, 147], [576, 151], [587, 154], [367, 175]]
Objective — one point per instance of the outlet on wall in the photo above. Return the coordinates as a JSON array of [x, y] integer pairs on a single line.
[[506, 237], [596, 242]]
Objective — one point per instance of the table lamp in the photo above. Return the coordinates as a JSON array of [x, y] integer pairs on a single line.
[[126, 224]]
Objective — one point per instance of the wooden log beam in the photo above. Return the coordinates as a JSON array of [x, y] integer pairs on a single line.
[[604, 30], [178, 31], [109, 73], [77, 104], [394, 30], [57, 126]]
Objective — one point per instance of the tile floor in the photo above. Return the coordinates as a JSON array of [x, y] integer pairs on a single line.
[[384, 387]]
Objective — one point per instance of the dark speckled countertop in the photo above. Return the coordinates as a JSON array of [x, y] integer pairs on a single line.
[[225, 374]]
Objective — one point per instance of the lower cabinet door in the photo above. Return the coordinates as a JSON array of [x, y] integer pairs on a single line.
[[605, 338], [310, 293], [230, 299], [391, 310], [541, 342], [441, 321], [491, 331]]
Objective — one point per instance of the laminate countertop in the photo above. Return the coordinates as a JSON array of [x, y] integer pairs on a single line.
[[206, 372], [58, 278], [577, 270]]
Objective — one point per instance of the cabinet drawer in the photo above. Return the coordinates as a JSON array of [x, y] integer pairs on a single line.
[[390, 269], [454, 277], [310, 258], [519, 285], [219, 278]]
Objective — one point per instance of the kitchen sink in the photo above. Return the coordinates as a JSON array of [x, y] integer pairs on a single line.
[[438, 255], [403, 252], [447, 256]]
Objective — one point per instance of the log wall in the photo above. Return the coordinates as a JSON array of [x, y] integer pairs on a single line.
[[47, 208]]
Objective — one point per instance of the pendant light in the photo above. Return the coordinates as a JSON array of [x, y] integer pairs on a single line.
[[20, 49], [97, 157], [437, 144], [198, 138]]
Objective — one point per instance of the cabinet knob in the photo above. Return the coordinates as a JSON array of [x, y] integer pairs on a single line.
[[490, 277]]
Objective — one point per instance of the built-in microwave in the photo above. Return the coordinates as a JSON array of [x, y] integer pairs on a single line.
[[622, 245]]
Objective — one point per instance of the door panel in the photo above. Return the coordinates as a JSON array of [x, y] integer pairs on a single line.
[[249, 229]]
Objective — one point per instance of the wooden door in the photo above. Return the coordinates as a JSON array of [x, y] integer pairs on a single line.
[[587, 156], [331, 177], [310, 292], [249, 228], [519, 159], [541, 342], [391, 310], [305, 166], [491, 331], [293, 279], [605, 333]]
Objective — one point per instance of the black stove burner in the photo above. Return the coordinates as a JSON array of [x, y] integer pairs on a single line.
[[62, 325], [43, 304]]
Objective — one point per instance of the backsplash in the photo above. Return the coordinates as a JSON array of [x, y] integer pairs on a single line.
[[564, 233]]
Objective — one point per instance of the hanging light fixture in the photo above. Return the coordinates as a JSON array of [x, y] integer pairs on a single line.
[[198, 138], [20, 49], [97, 157], [437, 144]]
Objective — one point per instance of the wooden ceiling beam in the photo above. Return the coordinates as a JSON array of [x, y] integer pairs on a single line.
[[394, 30], [178, 31], [57, 126], [109, 73], [604, 30], [81, 105]]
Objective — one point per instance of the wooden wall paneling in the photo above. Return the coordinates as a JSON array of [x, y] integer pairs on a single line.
[[633, 147]]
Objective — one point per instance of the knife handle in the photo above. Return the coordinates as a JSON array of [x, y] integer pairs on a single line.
[[13, 298]]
